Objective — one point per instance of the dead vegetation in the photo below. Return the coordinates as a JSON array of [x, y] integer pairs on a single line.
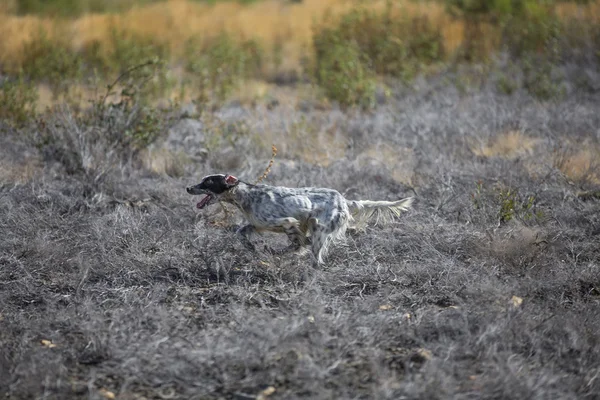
[[112, 285]]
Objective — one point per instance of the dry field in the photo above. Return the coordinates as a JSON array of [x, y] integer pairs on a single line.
[[112, 285], [272, 22]]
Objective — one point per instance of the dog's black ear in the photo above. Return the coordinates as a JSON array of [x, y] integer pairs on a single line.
[[231, 180]]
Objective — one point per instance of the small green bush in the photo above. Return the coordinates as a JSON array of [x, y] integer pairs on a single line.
[[74, 8], [345, 76], [111, 133], [221, 64], [394, 45], [18, 100], [133, 122], [534, 29], [504, 204], [541, 78], [122, 51], [128, 50], [50, 60]]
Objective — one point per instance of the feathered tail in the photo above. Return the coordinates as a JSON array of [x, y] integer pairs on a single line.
[[383, 212]]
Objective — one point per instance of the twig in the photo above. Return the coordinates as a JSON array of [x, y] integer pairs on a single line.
[[110, 87], [268, 169]]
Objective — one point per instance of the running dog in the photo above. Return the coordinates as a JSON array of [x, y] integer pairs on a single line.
[[311, 216]]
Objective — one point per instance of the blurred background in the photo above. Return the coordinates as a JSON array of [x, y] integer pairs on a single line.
[[342, 51]]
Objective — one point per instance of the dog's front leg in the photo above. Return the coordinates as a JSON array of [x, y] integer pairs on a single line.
[[244, 235]]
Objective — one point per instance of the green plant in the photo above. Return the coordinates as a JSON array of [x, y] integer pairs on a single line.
[[133, 121], [221, 64], [503, 204], [18, 100], [345, 75], [394, 45], [73, 8], [506, 84], [532, 28], [51, 60], [114, 131], [513, 205], [540, 79]]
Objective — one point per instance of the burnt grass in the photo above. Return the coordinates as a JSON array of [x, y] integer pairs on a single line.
[[112, 282]]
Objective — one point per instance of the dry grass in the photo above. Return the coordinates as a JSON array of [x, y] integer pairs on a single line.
[[397, 161], [122, 287], [579, 165], [164, 162], [176, 21], [271, 21], [509, 144]]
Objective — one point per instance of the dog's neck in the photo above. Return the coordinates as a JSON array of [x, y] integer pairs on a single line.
[[238, 195]]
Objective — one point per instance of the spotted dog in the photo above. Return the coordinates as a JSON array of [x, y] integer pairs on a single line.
[[316, 217]]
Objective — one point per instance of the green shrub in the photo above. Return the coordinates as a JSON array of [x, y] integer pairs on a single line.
[[133, 122], [501, 204], [128, 50], [541, 78], [73, 8], [534, 29], [50, 60], [394, 45], [221, 64], [125, 50], [111, 133], [122, 51], [345, 76], [18, 100]]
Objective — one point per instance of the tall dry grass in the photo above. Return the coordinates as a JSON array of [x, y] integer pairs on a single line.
[[272, 22]]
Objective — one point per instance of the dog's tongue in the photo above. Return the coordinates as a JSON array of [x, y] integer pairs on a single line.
[[203, 202]]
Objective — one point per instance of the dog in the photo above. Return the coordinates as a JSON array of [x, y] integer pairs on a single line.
[[315, 217]]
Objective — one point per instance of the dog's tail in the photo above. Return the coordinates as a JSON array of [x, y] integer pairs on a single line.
[[382, 212]]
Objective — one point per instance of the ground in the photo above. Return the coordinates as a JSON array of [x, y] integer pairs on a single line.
[[112, 284]]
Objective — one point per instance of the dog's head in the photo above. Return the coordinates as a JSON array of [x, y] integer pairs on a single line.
[[213, 187]]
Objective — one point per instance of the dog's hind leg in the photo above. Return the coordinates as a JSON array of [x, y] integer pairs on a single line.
[[329, 228]]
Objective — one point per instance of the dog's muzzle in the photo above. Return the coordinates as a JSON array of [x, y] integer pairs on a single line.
[[206, 200]]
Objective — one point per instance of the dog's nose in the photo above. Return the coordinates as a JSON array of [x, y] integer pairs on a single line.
[[189, 189]]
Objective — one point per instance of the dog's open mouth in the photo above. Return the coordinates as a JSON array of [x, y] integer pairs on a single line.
[[204, 202]]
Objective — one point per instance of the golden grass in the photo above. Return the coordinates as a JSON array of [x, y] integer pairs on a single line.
[[271, 21], [581, 165], [164, 162], [175, 21], [508, 145], [400, 162], [19, 172]]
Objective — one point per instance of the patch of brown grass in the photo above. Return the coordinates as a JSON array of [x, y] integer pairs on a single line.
[[175, 21], [270, 21], [19, 172], [399, 162], [509, 144], [580, 165], [164, 162]]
